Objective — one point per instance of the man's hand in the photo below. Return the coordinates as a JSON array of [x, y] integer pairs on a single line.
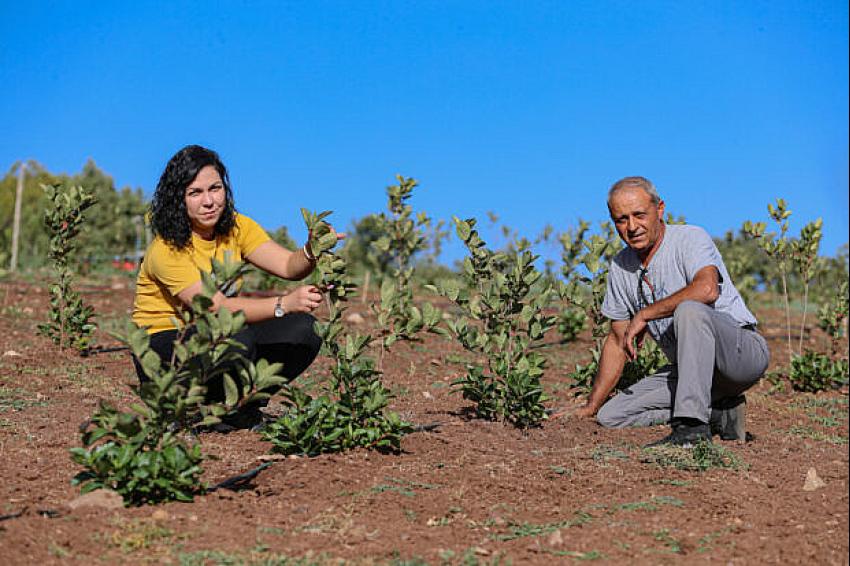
[[635, 330], [585, 411], [570, 411]]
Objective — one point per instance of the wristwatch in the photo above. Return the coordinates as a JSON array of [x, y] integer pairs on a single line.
[[278, 307]]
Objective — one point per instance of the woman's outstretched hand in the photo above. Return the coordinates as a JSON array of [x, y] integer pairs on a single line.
[[303, 299], [309, 250]]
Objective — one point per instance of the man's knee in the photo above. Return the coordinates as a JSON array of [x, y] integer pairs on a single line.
[[689, 312], [609, 417]]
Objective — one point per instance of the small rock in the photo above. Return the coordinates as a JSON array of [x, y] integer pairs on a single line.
[[355, 318], [270, 457], [11, 354], [160, 515], [117, 286], [102, 498], [480, 551], [555, 539], [427, 395], [446, 316], [813, 481]]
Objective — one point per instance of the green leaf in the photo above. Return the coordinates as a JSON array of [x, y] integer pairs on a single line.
[[231, 391]]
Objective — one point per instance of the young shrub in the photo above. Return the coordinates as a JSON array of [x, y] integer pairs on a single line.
[[572, 319], [777, 248], [804, 253], [812, 372], [832, 317], [352, 411], [649, 360], [141, 453], [502, 320], [139, 460], [402, 238], [69, 319]]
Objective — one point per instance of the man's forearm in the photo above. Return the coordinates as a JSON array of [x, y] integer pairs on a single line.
[[611, 363], [703, 289]]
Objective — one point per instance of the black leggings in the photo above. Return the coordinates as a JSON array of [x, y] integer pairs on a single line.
[[290, 341]]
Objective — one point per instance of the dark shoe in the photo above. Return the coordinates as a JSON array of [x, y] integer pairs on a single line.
[[728, 418], [250, 418], [686, 433]]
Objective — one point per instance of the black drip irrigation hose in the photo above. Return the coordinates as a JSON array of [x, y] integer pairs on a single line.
[[48, 513], [103, 350], [238, 482]]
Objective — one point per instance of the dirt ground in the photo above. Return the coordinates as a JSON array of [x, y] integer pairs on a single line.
[[468, 492]]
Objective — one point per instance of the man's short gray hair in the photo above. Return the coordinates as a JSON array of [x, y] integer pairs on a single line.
[[639, 182]]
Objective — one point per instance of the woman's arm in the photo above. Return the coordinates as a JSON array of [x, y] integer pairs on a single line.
[[277, 260], [301, 299]]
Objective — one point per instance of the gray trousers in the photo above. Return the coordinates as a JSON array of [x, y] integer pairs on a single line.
[[716, 358]]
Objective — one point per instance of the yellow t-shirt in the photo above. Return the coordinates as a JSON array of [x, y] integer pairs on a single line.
[[166, 271]]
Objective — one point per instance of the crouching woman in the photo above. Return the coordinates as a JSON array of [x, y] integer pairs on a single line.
[[194, 219]]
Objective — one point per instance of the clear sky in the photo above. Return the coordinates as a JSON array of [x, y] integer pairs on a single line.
[[529, 109]]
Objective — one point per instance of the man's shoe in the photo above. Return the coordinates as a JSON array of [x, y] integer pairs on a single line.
[[686, 433], [728, 418]]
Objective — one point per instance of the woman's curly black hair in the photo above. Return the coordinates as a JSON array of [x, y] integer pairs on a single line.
[[169, 219]]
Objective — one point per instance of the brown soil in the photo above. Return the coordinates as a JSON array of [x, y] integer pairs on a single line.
[[469, 492]]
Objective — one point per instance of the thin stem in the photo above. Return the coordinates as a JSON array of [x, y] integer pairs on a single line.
[[787, 311], [803, 324]]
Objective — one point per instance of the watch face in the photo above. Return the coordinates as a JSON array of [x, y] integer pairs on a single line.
[[278, 311]]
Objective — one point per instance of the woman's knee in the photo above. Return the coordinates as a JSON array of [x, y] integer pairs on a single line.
[[305, 331]]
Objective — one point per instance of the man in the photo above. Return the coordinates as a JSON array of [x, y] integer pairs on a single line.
[[671, 282]]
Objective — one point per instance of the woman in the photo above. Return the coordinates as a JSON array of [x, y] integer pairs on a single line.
[[194, 219]]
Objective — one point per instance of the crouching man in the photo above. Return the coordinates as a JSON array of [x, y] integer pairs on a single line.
[[670, 281]]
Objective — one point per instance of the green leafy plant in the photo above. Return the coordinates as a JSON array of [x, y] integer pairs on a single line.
[[141, 461], [813, 372], [649, 360], [69, 319], [804, 253], [832, 317], [573, 317], [352, 411], [141, 453], [401, 238], [502, 320], [571, 321], [778, 248]]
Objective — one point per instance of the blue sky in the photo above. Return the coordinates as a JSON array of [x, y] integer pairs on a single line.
[[528, 109]]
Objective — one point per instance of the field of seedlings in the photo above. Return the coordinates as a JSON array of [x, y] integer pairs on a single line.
[[434, 428], [467, 491]]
